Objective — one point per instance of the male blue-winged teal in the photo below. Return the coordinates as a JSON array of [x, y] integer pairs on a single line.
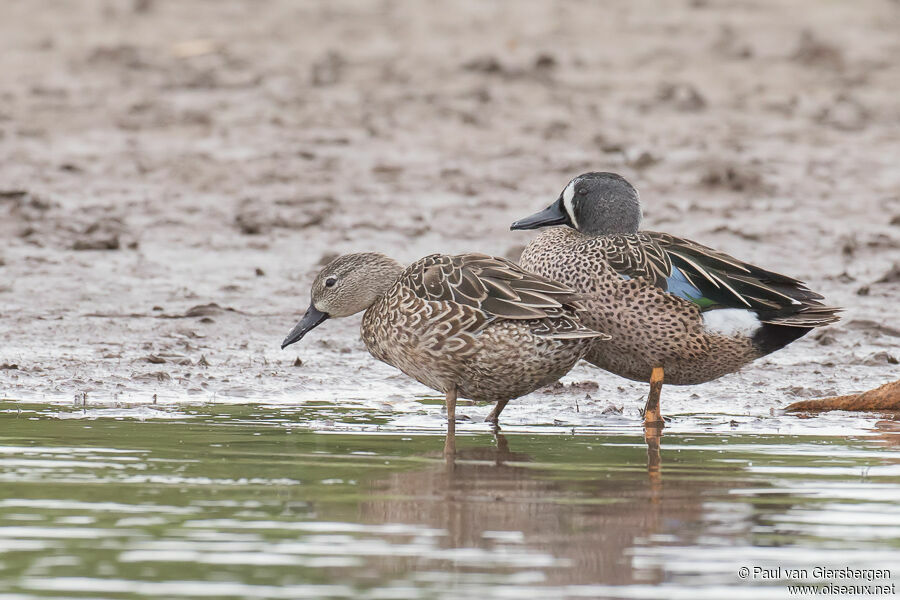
[[676, 310], [470, 325]]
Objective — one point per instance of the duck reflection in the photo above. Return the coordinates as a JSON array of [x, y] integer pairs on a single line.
[[585, 518], [653, 437]]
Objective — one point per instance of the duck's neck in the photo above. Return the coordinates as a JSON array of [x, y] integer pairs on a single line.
[[383, 275]]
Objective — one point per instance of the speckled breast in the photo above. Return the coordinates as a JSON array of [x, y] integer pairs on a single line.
[[649, 327]]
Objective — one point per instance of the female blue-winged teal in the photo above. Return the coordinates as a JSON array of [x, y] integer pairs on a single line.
[[470, 325], [675, 309]]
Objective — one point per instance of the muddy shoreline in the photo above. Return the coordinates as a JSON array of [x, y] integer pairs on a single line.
[[157, 157]]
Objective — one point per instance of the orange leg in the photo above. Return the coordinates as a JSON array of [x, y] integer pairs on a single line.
[[652, 416], [450, 441]]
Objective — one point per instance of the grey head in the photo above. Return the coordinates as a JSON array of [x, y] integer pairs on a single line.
[[347, 285], [592, 203]]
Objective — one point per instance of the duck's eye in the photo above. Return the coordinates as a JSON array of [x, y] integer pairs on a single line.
[[583, 192], [330, 281]]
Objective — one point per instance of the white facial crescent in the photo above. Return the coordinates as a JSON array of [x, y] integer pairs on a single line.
[[568, 195]]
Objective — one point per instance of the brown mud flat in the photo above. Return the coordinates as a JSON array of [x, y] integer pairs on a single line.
[[157, 156], [882, 398]]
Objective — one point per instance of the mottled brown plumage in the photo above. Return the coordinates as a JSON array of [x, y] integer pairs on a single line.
[[470, 325], [669, 304], [649, 326]]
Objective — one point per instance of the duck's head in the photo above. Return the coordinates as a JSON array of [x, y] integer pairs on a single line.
[[347, 285], [594, 204]]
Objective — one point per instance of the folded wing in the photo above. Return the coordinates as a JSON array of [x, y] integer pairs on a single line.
[[499, 289], [712, 279]]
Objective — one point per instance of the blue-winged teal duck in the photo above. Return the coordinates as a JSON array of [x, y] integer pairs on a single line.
[[676, 310], [470, 325]]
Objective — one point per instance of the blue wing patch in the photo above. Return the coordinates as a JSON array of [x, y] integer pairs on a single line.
[[678, 285]]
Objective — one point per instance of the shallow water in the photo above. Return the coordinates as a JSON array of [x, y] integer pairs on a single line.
[[252, 502]]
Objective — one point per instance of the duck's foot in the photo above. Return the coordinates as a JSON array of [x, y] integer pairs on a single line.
[[652, 415], [494, 416], [665, 420]]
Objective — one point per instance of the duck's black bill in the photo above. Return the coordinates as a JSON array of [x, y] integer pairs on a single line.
[[312, 319], [554, 214]]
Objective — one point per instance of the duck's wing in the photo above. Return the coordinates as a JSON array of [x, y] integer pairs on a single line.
[[712, 279], [499, 289]]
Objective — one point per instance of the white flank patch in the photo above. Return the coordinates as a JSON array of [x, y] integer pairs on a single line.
[[731, 321], [568, 195]]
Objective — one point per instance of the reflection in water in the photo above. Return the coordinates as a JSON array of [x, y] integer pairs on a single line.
[[888, 431], [583, 520], [653, 436], [246, 502]]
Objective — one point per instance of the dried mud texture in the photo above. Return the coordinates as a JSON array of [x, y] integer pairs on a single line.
[[882, 398], [160, 155]]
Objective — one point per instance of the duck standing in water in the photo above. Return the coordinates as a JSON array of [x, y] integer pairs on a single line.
[[677, 311], [469, 325]]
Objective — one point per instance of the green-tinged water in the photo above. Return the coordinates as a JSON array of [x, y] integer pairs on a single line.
[[248, 502]]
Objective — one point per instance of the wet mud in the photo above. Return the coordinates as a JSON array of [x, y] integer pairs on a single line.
[[172, 174], [882, 398]]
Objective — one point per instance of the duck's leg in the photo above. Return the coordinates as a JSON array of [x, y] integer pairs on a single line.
[[450, 441], [494, 416], [652, 416]]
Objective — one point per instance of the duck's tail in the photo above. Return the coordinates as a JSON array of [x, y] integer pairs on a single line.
[[808, 315]]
